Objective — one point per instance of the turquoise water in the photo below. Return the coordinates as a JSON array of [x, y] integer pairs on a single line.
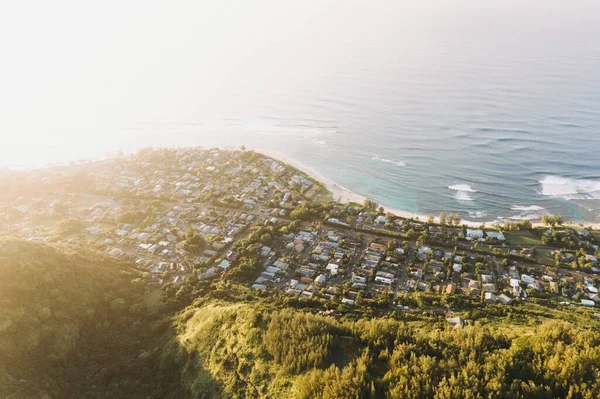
[[488, 112]]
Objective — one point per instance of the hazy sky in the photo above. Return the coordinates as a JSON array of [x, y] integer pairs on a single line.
[[71, 71]]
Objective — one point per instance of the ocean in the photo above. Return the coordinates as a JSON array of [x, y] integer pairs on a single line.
[[492, 112]]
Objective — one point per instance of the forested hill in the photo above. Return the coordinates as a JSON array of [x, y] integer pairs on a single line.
[[243, 350], [74, 324]]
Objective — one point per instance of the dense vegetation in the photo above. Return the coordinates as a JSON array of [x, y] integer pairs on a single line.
[[74, 324], [246, 352]]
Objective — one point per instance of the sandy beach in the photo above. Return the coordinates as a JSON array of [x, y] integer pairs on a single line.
[[341, 193], [344, 195]]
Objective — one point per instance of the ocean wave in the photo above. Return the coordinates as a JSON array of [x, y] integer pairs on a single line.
[[462, 188], [478, 214], [397, 163], [526, 216], [567, 188], [463, 196], [526, 208]]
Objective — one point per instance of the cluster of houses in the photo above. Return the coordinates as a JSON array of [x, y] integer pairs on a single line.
[[143, 207]]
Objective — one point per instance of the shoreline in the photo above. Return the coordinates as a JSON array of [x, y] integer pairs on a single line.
[[343, 195]]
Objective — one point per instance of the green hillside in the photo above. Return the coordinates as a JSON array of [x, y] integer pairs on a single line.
[[239, 350], [72, 324]]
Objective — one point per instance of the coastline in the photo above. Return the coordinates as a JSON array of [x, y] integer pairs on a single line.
[[344, 195]]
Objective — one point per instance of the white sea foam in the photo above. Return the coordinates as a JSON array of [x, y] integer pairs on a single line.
[[463, 196], [462, 187], [478, 214], [397, 163], [526, 216], [463, 191], [531, 208], [567, 188]]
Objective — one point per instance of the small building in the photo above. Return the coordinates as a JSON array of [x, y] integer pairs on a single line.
[[383, 280], [224, 264], [471, 234], [587, 302], [320, 279], [333, 269], [489, 298], [495, 234]]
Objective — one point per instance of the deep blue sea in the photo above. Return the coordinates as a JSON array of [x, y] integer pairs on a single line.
[[488, 112]]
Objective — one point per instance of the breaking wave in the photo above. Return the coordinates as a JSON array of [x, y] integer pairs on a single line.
[[463, 192], [567, 188], [531, 208], [393, 162], [478, 214], [463, 188]]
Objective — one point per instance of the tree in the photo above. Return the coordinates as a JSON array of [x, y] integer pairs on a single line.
[[370, 205], [193, 241], [442, 218]]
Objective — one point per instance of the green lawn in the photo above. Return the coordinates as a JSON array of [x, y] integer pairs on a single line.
[[545, 256], [522, 237]]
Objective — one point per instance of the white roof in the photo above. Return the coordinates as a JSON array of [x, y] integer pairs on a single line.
[[474, 233], [495, 234], [333, 268]]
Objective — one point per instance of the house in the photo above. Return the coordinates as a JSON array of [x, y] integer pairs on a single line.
[[471, 234], [504, 299], [273, 269], [320, 279], [495, 234], [333, 269], [424, 250], [358, 279], [594, 297], [587, 302], [489, 298], [381, 220], [527, 279], [383, 280]]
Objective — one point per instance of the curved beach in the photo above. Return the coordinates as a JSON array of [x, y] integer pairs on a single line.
[[344, 195]]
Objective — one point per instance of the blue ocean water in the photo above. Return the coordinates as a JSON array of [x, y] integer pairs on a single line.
[[489, 113]]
